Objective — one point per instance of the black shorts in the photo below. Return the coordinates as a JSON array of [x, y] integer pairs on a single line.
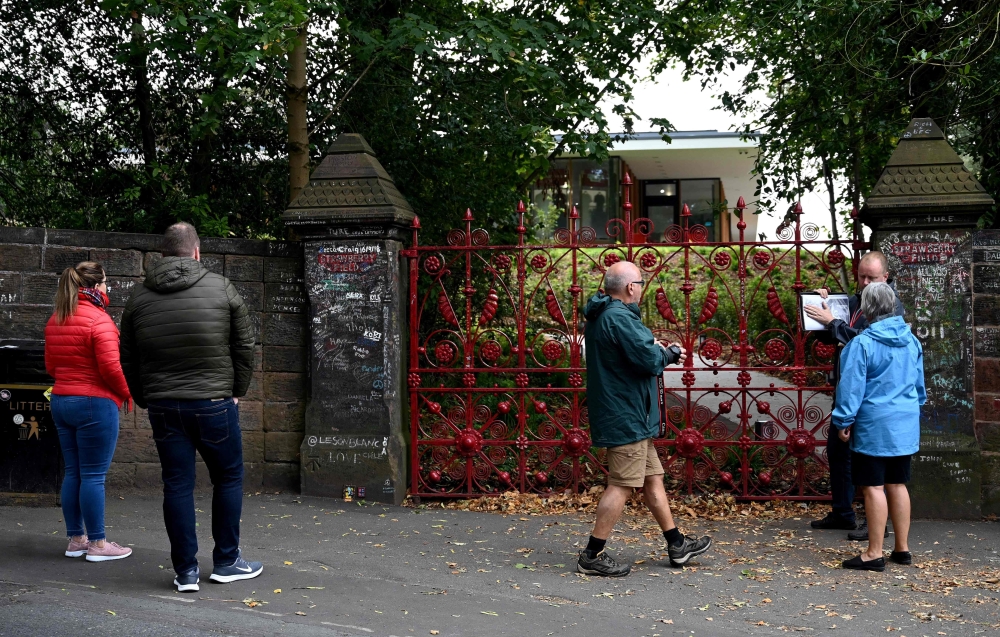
[[875, 471]]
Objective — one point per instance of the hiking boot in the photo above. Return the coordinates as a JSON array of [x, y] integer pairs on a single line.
[[601, 564], [187, 582], [858, 564], [691, 547], [77, 549], [110, 551], [861, 534], [240, 569], [833, 521], [901, 557]]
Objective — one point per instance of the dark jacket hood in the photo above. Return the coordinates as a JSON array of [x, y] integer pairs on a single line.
[[892, 332], [601, 302], [171, 274]]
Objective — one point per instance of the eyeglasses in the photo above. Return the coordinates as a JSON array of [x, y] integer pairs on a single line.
[[639, 283]]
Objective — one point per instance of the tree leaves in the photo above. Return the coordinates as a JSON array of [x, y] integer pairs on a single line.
[[464, 103], [829, 85]]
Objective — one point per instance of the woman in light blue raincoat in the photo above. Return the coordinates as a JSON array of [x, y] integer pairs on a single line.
[[878, 409]]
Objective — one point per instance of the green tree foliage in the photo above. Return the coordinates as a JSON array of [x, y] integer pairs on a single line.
[[129, 114], [842, 79]]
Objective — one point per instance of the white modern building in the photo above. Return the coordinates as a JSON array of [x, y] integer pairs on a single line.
[[707, 170]]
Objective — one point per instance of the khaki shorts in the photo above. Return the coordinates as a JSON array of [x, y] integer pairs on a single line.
[[628, 465]]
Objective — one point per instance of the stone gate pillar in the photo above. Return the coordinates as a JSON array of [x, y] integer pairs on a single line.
[[352, 221], [922, 212]]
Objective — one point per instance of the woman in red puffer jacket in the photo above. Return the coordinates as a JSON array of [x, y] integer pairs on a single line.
[[81, 353]]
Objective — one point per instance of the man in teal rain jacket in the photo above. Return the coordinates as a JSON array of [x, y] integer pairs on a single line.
[[877, 408], [623, 361]]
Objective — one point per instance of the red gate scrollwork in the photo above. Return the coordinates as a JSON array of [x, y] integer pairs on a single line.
[[497, 376]]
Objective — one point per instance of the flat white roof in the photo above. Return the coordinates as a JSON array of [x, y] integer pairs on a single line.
[[682, 140]]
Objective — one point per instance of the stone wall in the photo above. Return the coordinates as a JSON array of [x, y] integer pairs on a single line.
[[268, 275], [986, 319]]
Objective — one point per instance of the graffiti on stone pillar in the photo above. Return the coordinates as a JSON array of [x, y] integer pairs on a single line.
[[931, 273]]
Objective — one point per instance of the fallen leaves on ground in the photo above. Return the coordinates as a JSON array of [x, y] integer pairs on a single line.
[[557, 601], [710, 507]]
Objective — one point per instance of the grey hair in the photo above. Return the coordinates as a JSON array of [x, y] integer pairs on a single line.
[[878, 302], [615, 281]]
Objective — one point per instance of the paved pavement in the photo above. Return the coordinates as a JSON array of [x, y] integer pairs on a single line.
[[344, 569]]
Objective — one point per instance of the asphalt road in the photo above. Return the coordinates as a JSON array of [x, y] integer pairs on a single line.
[[342, 569]]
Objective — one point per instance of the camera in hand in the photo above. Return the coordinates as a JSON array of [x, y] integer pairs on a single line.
[[676, 351]]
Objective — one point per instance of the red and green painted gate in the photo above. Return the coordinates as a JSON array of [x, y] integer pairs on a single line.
[[497, 376]]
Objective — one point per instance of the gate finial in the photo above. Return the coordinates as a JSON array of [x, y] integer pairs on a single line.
[[521, 229]]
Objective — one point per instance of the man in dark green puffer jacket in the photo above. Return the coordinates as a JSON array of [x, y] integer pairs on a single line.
[[187, 354]]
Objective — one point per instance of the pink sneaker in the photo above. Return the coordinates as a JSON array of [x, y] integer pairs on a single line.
[[77, 549], [110, 551]]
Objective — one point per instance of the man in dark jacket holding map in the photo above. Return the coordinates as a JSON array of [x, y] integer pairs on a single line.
[[873, 268], [187, 354], [623, 362]]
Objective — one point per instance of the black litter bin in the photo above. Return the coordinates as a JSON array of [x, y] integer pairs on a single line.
[[30, 459]]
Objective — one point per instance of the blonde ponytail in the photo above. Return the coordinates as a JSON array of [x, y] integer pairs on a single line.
[[86, 274]]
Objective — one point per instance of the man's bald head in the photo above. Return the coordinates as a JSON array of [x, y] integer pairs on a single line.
[[873, 268], [875, 257], [617, 280]]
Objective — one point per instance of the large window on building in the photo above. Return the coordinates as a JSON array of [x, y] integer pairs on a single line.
[[660, 204], [663, 200], [589, 185], [702, 199]]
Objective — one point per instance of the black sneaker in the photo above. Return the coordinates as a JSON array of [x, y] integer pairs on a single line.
[[240, 569], [187, 582], [832, 521], [601, 564], [858, 564], [691, 547], [861, 534], [901, 557]]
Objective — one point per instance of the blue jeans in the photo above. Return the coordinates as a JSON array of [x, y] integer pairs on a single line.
[[212, 427], [838, 454], [88, 433]]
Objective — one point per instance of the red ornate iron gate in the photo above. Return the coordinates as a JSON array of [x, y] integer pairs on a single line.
[[497, 377]]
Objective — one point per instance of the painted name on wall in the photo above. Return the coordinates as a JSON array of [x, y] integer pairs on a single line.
[[347, 262], [912, 252]]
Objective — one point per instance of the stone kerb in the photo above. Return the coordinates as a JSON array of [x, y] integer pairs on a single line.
[[268, 275]]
